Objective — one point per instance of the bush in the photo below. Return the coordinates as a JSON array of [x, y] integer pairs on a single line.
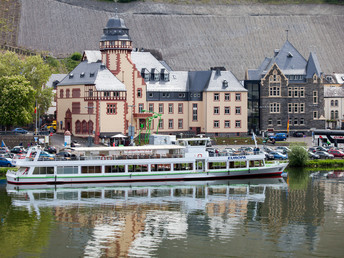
[[298, 156]]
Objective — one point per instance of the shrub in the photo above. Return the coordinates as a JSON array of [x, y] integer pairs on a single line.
[[298, 156]]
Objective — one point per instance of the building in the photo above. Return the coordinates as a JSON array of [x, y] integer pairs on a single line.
[[119, 86], [291, 92], [52, 83]]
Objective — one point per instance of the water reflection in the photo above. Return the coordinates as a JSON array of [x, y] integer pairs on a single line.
[[299, 216]]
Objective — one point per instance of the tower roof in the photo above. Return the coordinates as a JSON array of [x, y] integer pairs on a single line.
[[115, 30]]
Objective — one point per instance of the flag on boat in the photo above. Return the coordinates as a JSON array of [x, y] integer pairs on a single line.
[[254, 139], [3, 143]]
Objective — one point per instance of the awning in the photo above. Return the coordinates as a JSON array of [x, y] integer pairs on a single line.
[[119, 136]]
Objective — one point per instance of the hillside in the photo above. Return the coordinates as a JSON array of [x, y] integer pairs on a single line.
[[190, 37]]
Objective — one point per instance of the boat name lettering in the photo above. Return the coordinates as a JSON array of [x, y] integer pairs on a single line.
[[236, 157]]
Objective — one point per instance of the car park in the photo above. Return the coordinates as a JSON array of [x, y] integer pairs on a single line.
[[312, 155], [283, 149], [66, 155], [4, 150], [20, 130], [269, 156], [324, 155], [337, 153], [50, 149], [312, 149], [18, 150], [298, 134], [279, 155], [5, 162]]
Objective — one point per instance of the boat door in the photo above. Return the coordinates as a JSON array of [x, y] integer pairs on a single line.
[[200, 165]]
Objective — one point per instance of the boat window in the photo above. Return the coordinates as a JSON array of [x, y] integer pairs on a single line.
[[67, 170], [161, 167], [138, 168], [217, 165], [182, 166], [237, 164], [91, 194], [114, 169], [256, 163], [43, 170], [43, 196], [91, 169]]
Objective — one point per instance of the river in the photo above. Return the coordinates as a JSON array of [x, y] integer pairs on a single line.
[[298, 216]]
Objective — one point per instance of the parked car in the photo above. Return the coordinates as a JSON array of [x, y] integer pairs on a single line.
[[283, 149], [269, 156], [336, 153], [321, 148], [312, 149], [312, 155], [324, 155], [44, 155], [298, 134], [66, 155], [4, 150], [279, 137], [50, 149], [5, 162], [278, 155], [20, 130], [267, 149], [18, 150], [212, 151]]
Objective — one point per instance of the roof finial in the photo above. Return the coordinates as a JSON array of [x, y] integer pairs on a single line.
[[116, 14], [287, 34]]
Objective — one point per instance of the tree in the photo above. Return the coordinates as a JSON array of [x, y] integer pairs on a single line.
[[17, 100], [298, 156], [10, 64]]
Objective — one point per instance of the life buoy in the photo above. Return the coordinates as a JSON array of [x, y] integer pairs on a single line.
[[199, 155]]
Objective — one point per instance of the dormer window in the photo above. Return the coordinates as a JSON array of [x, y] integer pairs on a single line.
[[71, 76], [166, 77], [82, 75], [224, 84], [156, 77], [91, 74]]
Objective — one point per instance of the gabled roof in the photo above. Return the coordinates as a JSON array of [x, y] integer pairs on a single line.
[[53, 78], [313, 66], [146, 60], [217, 79], [92, 56], [94, 74], [198, 80]]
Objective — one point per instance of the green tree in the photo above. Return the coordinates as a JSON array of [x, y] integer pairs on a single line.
[[298, 156], [10, 64], [17, 100]]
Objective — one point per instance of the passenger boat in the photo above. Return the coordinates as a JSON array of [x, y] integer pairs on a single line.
[[185, 160]]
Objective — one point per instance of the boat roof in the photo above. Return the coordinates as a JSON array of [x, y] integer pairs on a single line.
[[124, 148]]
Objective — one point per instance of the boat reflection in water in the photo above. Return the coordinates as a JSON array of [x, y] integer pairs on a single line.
[[134, 219]]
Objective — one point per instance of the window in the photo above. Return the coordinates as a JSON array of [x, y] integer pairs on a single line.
[[67, 93], [216, 111], [139, 93], [161, 108], [76, 107], [279, 122], [227, 96], [84, 127], [237, 110], [302, 107], [227, 110], [90, 108], [216, 123], [170, 108], [227, 124], [296, 92], [194, 112], [170, 123], [315, 97], [270, 122], [302, 92], [274, 91], [180, 108], [106, 93], [76, 93], [90, 93], [336, 114], [296, 108], [111, 109], [61, 94], [332, 103], [78, 127], [151, 107], [290, 108], [216, 97], [116, 94], [90, 127], [336, 103], [141, 108], [237, 123], [161, 124], [237, 96], [274, 107], [315, 114], [290, 92], [302, 121], [180, 123], [332, 114], [295, 121]]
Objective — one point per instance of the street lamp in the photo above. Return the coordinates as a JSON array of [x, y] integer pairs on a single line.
[[131, 133]]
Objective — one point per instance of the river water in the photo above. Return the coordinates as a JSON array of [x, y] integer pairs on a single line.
[[298, 216]]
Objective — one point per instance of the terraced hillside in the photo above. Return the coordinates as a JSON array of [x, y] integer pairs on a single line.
[[190, 37], [9, 21]]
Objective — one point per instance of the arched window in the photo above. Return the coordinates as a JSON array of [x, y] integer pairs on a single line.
[[90, 127], [332, 103], [332, 114], [336, 114], [84, 127], [61, 94], [336, 103], [78, 127], [67, 93]]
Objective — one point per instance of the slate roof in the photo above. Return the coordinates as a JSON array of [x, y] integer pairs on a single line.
[[92, 56], [290, 61], [115, 29], [178, 83], [95, 74], [53, 78], [146, 60], [216, 82], [339, 78], [333, 92]]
